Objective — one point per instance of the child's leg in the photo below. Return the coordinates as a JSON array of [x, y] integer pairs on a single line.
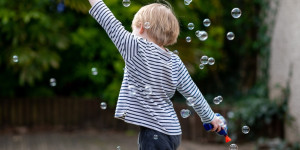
[[153, 140]]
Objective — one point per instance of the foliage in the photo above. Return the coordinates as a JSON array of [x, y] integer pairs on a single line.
[[59, 39]]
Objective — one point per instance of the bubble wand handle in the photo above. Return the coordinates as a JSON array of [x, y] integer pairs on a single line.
[[209, 126]]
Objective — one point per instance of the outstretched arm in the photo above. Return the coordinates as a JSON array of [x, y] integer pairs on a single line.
[[125, 42], [188, 88]]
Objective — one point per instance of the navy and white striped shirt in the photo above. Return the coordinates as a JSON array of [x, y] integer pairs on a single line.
[[151, 77]]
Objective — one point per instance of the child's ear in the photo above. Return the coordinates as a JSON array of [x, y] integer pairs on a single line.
[[141, 30]]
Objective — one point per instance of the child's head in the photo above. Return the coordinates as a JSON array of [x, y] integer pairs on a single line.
[[164, 26]]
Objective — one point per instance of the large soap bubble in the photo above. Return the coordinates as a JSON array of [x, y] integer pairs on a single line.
[[185, 113], [236, 13], [126, 3]]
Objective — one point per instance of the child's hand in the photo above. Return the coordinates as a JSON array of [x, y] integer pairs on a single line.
[[216, 122], [93, 2]]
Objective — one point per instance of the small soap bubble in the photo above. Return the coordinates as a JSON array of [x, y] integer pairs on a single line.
[[197, 33], [230, 35], [94, 71], [176, 52], [230, 114], [190, 101], [233, 147], [15, 59], [204, 60], [126, 3], [118, 147], [201, 66], [185, 113], [206, 22], [52, 82], [211, 61], [245, 129], [132, 90], [155, 137], [147, 25], [191, 26], [220, 98], [217, 101], [188, 39], [103, 105], [203, 35], [148, 90], [236, 13], [187, 2]]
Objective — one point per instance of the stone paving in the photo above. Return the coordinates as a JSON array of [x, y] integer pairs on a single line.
[[90, 140]]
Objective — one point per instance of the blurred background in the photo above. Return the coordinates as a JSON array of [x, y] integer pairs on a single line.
[[57, 65]]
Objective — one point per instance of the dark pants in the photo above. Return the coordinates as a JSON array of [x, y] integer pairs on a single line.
[[153, 140]]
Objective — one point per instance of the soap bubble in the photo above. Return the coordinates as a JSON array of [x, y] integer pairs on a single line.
[[206, 22], [185, 113], [204, 60], [94, 71], [176, 52], [155, 137], [203, 35], [103, 105], [233, 147], [216, 101], [201, 66], [211, 61], [188, 39], [118, 147], [230, 35], [230, 114], [147, 25], [187, 2], [15, 59], [191, 26], [52, 82], [220, 98], [197, 33], [245, 129], [126, 3], [236, 13], [132, 90], [148, 90], [190, 101]]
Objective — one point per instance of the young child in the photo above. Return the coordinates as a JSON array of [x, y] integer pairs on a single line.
[[152, 74]]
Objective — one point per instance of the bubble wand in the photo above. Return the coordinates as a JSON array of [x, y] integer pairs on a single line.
[[208, 127]]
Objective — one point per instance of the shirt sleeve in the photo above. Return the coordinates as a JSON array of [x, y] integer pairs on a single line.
[[125, 42], [188, 88]]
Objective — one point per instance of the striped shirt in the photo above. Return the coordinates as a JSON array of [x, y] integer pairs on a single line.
[[151, 77]]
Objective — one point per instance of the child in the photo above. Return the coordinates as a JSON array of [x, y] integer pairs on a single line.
[[152, 74]]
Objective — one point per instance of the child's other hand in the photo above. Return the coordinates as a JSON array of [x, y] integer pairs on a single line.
[[216, 122]]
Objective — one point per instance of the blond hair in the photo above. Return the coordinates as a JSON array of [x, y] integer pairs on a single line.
[[164, 27]]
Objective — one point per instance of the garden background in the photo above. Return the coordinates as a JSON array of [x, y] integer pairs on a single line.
[[255, 73]]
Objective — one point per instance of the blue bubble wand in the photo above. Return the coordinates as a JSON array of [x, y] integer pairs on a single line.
[[209, 126]]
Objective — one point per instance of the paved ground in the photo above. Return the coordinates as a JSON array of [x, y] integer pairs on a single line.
[[90, 140]]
